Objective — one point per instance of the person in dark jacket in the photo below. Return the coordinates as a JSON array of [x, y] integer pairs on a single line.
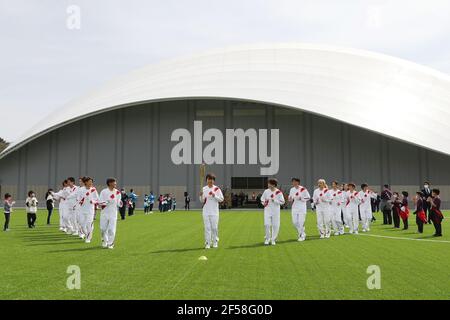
[[386, 205], [427, 193], [404, 210], [421, 217], [50, 202], [436, 215], [123, 208], [396, 207]]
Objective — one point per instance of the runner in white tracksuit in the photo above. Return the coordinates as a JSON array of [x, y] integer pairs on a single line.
[[272, 199], [109, 201], [80, 192], [71, 199], [87, 207], [365, 207], [336, 209], [321, 200], [62, 207], [352, 208], [299, 197], [345, 197], [210, 197]]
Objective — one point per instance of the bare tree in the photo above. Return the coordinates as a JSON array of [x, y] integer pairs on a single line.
[[3, 144]]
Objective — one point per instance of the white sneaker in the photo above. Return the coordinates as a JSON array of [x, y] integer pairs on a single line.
[[356, 232], [61, 229], [364, 230], [322, 236], [328, 235], [336, 233], [111, 246], [104, 244], [368, 229], [88, 241], [301, 239], [342, 232], [75, 234], [266, 242], [207, 246], [215, 245], [273, 243], [350, 231]]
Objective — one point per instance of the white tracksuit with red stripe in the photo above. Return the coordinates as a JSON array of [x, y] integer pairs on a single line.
[[87, 212], [80, 192], [365, 208], [272, 200], [71, 199], [322, 199], [299, 197], [211, 197], [352, 210], [62, 209], [109, 201], [337, 200]]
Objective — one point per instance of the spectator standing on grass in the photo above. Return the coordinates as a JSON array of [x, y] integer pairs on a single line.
[[436, 214], [396, 207], [421, 217], [151, 201], [187, 201], [123, 208], [7, 206], [31, 203], [386, 205], [427, 193], [50, 202], [132, 197], [146, 204]]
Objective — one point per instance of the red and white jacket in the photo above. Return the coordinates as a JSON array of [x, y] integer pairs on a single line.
[[109, 201], [210, 198], [364, 199], [272, 200], [337, 199], [299, 198], [352, 200], [89, 201], [322, 198]]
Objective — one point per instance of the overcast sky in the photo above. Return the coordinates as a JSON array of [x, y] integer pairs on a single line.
[[44, 64]]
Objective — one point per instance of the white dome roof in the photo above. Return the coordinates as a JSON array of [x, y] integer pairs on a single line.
[[387, 95]]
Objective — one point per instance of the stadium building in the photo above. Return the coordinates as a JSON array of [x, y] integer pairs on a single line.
[[305, 110]]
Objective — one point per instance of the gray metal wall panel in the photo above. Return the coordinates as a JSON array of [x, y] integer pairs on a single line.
[[364, 161], [134, 145]]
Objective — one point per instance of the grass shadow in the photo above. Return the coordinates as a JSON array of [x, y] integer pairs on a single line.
[[77, 249], [176, 250]]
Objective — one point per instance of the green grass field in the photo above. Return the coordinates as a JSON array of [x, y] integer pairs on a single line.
[[156, 257]]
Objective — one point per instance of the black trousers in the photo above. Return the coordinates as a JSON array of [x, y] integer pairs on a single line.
[[131, 209], [7, 218], [396, 218], [50, 211], [31, 219], [186, 206], [437, 223], [405, 224], [387, 216], [151, 207], [122, 212], [419, 224]]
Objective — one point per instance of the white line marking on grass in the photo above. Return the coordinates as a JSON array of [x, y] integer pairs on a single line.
[[402, 238]]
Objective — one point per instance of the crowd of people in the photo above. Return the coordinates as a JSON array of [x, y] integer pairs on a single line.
[[337, 208]]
